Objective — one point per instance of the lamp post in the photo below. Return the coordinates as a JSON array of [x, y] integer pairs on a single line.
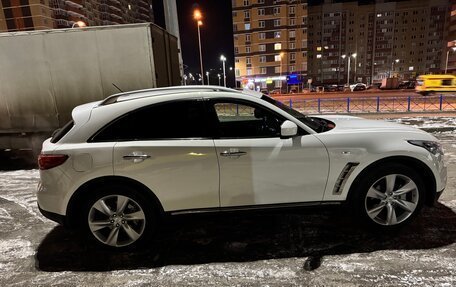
[[354, 56], [447, 56], [348, 69], [207, 75], [392, 67], [281, 56], [80, 24], [223, 59], [197, 16], [218, 75]]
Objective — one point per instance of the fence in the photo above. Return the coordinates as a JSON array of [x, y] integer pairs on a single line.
[[375, 104]]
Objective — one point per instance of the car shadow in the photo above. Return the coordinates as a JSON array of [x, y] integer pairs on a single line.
[[199, 239]]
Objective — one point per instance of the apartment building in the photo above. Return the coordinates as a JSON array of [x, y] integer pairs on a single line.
[[381, 38], [451, 40], [23, 15], [270, 43]]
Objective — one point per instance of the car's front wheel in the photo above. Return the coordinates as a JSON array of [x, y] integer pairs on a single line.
[[118, 217], [389, 196]]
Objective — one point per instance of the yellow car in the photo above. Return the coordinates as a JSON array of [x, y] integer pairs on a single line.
[[428, 84]]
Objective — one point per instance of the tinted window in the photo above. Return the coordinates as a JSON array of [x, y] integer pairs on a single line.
[[173, 120], [244, 120], [59, 133]]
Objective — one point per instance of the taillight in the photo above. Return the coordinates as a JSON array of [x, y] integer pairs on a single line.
[[47, 161]]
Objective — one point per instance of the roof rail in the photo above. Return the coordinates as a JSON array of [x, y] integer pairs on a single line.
[[156, 91]]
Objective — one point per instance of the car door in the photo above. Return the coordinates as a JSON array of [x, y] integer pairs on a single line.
[[166, 147], [257, 166]]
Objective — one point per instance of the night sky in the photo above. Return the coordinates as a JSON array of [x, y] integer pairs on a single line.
[[216, 37]]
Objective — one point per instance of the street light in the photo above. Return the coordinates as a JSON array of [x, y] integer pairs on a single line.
[[348, 70], [218, 75], [223, 59], [80, 24], [447, 55], [354, 56], [207, 75], [392, 67], [198, 16], [281, 56]]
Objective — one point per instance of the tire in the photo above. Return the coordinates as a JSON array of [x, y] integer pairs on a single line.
[[388, 197], [118, 217]]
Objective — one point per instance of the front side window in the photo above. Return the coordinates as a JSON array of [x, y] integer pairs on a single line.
[[246, 120], [171, 120]]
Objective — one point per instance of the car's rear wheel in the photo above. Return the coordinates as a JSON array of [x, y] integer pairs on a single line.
[[118, 217], [389, 197]]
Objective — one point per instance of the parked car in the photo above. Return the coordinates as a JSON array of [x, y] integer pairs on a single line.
[[407, 85], [334, 88], [358, 87], [121, 164]]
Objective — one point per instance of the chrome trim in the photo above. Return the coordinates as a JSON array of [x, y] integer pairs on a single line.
[[253, 207], [233, 153]]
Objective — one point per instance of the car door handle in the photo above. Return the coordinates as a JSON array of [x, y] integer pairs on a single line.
[[136, 156], [233, 153]]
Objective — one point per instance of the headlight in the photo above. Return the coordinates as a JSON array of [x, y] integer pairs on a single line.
[[432, 147]]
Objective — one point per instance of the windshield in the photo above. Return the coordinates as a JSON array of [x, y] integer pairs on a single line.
[[308, 121]]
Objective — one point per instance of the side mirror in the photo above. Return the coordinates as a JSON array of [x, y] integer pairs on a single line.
[[288, 129]]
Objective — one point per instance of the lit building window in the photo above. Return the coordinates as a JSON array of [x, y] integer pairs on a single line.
[[277, 46]]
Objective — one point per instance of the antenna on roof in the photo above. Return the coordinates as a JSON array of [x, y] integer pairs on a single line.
[[117, 87]]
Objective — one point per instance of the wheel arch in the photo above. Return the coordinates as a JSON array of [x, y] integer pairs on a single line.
[[83, 192], [420, 167]]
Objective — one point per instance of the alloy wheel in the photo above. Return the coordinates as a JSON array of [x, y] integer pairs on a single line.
[[116, 220], [392, 199]]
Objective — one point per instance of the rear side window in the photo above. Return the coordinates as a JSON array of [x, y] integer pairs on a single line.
[[172, 120], [59, 133]]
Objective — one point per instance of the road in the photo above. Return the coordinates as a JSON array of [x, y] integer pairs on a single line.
[[357, 94], [368, 102], [294, 248]]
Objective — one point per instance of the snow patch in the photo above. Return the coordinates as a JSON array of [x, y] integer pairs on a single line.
[[15, 248]]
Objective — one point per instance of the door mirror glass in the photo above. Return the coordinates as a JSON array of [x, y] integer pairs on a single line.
[[288, 129]]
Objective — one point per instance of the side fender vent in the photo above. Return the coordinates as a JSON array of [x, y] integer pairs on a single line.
[[344, 175]]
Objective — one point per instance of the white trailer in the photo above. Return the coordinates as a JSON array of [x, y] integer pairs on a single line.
[[45, 74]]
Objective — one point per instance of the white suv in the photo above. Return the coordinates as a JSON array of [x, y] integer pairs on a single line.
[[123, 163]]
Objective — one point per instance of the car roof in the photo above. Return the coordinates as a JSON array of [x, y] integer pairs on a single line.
[[132, 95]]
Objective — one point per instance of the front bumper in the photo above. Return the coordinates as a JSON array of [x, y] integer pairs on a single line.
[[434, 198]]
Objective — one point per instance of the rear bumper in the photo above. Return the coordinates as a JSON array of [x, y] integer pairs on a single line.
[[61, 219]]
